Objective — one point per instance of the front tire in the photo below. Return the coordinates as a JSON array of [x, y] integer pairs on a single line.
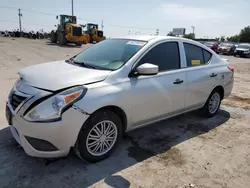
[[212, 105], [99, 136], [79, 43]]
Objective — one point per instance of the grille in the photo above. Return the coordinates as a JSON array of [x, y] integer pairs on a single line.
[[16, 100], [77, 31], [240, 52]]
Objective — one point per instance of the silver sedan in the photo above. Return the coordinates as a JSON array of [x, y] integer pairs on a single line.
[[89, 101]]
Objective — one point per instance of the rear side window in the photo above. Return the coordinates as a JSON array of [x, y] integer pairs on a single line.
[[196, 55], [165, 55]]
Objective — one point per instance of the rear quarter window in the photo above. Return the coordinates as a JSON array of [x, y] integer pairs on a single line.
[[207, 56], [195, 55]]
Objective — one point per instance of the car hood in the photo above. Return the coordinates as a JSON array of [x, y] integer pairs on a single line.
[[59, 74], [241, 49], [225, 47]]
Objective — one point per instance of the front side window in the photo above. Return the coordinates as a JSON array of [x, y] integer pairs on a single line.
[[196, 55], [165, 55], [109, 54]]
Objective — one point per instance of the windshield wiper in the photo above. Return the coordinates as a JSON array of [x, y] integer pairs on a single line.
[[82, 64]]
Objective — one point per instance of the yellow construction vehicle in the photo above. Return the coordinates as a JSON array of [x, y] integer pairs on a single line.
[[68, 31], [92, 33]]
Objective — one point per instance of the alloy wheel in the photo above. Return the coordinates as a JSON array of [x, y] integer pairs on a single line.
[[101, 138]]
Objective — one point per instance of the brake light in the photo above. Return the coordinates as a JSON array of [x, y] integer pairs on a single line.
[[230, 68]]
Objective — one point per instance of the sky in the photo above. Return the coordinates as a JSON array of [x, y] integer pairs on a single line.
[[211, 18]]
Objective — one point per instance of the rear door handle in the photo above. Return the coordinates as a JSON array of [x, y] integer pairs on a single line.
[[178, 81], [213, 75]]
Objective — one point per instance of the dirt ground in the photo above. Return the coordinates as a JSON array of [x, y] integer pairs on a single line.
[[186, 151]]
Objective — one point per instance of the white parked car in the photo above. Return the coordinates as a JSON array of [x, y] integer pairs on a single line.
[[89, 101], [243, 50]]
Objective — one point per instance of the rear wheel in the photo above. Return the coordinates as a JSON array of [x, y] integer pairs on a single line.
[[99, 136], [62, 40], [53, 37], [213, 104]]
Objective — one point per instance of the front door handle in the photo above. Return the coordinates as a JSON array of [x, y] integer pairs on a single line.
[[213, 75], [178, 81]]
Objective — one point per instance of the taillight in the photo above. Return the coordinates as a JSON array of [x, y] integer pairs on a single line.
[[230, 68]]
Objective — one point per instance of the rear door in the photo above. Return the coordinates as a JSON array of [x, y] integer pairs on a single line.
[[201, 76]]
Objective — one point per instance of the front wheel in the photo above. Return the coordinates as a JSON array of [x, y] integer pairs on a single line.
[[212, 105], [99, 136], [79, 43]]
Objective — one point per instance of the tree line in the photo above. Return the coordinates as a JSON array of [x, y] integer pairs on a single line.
[[243, 36]]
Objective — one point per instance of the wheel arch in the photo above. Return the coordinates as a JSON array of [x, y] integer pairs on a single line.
[[119, 112], [221, 90]]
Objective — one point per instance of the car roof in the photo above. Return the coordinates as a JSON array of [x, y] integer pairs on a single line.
[[154, 39], [145, 37]]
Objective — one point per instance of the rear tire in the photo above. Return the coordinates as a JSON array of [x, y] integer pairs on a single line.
[[62, 40], [212, 104], [99, 136], [53, 37]]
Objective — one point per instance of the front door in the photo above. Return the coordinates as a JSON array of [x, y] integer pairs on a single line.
[[160, 95]]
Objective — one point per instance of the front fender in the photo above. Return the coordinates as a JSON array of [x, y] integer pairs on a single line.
[[109, 95]]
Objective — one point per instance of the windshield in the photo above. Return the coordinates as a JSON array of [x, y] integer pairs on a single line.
[[109, 54], [244, 46], [209, 43]]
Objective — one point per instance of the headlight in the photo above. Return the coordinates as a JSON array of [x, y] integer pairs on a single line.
[[51, 108]]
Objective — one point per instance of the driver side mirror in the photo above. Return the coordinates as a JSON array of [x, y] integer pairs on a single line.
[[56, 17], [146, 69]]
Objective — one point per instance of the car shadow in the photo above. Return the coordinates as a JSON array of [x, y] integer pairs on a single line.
[[157, 140]]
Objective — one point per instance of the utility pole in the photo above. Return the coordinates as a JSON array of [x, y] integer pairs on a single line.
[[72, 4], [193, 27], [102, 25], [157, 32], [20, 23]]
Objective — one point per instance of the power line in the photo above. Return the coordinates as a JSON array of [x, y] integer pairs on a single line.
[[28, 10], [86, 20], [8, 21], [8, 7]]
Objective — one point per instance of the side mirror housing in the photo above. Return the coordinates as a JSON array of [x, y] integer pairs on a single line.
[[56, 17], [146, 69]]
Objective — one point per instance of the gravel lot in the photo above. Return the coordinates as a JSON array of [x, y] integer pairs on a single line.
[[186, 151]]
